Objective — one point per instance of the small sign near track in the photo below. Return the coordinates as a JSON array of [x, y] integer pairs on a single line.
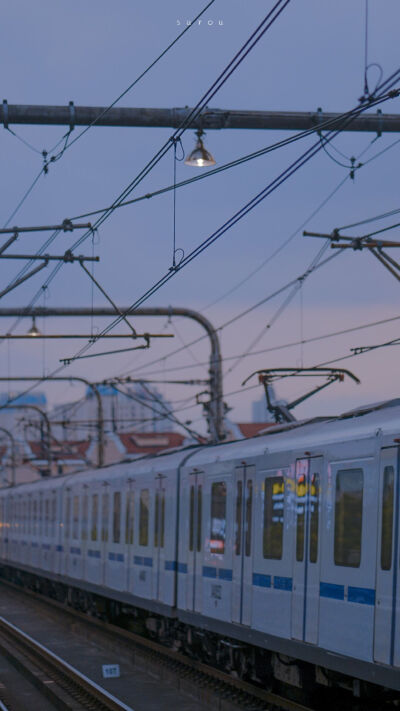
[[110, 671]]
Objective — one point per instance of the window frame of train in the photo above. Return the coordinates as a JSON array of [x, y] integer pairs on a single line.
[[387, 603], [306, 548], [347, 580], [191, 544], [244, 489], [115, 546], [272, 545]]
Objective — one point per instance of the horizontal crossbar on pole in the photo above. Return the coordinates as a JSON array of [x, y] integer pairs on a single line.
[[67, 257], [86, 336], [66, 226], [39, 114]]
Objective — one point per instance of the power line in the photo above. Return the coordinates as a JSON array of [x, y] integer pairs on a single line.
[[141, 75], [271, 187], [238, 58], [283, 346]]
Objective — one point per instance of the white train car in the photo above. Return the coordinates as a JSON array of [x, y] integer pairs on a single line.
[[283, 544]]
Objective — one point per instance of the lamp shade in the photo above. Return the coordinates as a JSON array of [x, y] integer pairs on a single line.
[[34, 331], [200, 157]]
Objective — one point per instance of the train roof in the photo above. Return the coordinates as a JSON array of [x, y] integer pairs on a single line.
[[359, 423], [308, 434]]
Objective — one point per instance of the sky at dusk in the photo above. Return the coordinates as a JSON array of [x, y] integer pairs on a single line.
[[313, 56]]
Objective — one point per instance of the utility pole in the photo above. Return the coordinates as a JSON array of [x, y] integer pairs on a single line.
[[214, 407], [215, 119], [45, 419], [60, 378], [12, 454]]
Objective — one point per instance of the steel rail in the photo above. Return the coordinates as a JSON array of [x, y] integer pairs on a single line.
[[45, 656], [209, 676]]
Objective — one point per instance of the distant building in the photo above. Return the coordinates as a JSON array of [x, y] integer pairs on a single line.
[[259, 411], [136, 410], [243, 430], [21, 407], [139, 443]]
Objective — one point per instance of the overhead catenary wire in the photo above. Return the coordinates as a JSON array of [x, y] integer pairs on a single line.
[[167, 414], [262, 28], [230, 68], [53, 158], [272, 349], [141, 75], [380, 99], [314, 265], [265, 192], [197, 340]]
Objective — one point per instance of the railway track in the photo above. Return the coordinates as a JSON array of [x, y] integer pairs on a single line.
[[211, 685], [60, 682]]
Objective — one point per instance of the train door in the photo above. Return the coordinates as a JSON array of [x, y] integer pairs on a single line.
[[129, 532], [159, 535], [93, 569], [195, 555], [84, 529], [242, 551], [387, 623], [104, 528], [143, 558], [306, 565]]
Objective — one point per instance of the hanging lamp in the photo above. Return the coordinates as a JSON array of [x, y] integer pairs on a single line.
[[200, 157]]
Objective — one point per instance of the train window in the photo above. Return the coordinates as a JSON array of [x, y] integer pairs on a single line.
[[218, 517], [95, 517], [67, 515], [40, 516], [104, 517], [238, 522], [249, 504], [314, 517], [53, 515], [191, 518], [162, 522], [301, 491], [34, 517], [25, 505], [46, 517], [144, 517], [274, 500], [159, 519], [348, 517], [84, 517], [117, 517], [130, 513], [29, 522], [75, 518], [199, 515], [387, 518]]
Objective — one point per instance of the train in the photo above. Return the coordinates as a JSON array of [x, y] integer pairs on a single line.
[[275, 558]]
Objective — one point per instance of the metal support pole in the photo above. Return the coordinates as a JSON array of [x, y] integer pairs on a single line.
[[47, 444], [208, 119], [215, 407], [12, 440], [60, 378]]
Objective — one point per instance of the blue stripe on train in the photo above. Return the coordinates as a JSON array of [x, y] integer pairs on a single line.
[[281, 583], [94, 553], [336, 592], [119, 557], [365, 596], [261, 581], [142, 560], [221, 573], [175, 566]]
